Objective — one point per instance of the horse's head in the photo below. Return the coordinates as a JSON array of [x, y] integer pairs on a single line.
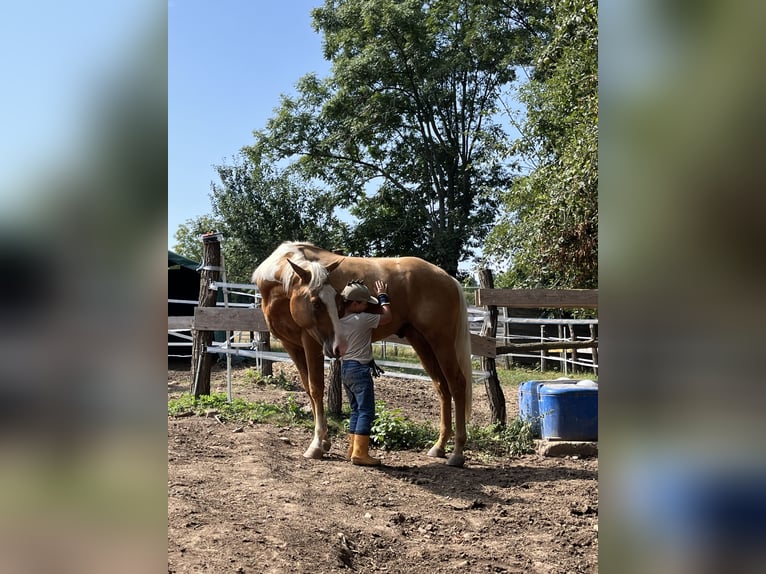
[[314, 306]]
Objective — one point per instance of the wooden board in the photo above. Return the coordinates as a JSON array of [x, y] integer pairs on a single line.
[[532, 298], [180, 322], [480, 346], [483, 346], [231, 319]]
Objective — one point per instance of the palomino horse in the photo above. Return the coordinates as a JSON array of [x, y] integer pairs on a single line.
[[300, 285]]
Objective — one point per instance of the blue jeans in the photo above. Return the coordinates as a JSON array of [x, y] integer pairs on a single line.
[[360, 391]]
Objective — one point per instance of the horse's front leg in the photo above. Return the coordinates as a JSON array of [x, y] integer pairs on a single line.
[[308, 374], [321, 442]]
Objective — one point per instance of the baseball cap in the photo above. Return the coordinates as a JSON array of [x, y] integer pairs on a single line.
[[357, 291]]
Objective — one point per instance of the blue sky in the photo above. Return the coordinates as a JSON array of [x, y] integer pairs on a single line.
[[228, 63]]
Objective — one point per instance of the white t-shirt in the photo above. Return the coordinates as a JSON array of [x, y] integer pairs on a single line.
[[356, 328]]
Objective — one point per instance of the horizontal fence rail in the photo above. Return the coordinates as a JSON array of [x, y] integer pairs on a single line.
[[539, 298]]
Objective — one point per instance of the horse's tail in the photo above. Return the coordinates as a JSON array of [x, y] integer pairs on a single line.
[[463, 351]]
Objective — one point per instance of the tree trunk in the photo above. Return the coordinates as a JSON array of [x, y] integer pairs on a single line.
[[334, 390], [202, 361], [491, 382]]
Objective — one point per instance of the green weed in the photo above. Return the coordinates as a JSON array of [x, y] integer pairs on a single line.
[[393, 431], [513, 439], [280, 381], [296, 412], [238, 410]]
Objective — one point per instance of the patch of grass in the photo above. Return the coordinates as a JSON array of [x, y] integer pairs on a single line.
[[513, 439], [391, 430], [280, 381], [338, 424], [398, 354], [239, 410]]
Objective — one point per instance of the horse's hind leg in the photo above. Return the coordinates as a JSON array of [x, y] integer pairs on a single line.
[[450, 384], [455, 382], [446, 396], [445, 420], [431, 366]]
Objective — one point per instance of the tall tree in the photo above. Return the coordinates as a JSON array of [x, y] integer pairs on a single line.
[[411, 102], [261, 205], [550, 233], [257, 206], [188, 236]]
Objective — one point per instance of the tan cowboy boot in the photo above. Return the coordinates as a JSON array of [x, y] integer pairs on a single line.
[[350, 451], [361, 455]]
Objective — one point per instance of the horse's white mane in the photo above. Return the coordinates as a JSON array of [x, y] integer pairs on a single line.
[[269, 267]]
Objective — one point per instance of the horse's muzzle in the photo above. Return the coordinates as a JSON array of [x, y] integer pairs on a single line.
[[332, 351], [336, 351]]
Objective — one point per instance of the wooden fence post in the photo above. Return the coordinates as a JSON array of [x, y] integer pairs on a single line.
[[202, 361], [334, 391], [594, 350], [573, 350], [491, 382], [263, 344], [563, 352], [507, 359]]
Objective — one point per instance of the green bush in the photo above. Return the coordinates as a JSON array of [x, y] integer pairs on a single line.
[[393, 431], [513, 439]]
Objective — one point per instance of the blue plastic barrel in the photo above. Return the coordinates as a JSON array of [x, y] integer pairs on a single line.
[[529, 410], [569, 412]]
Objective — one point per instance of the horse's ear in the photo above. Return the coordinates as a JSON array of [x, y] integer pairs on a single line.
[[300, 271], [331, 267]]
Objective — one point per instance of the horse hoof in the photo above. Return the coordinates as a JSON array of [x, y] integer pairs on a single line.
[[326, 445], [456, 460], [314, 452], [436, 452]]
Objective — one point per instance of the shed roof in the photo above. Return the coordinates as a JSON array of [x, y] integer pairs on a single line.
[[176, 261]]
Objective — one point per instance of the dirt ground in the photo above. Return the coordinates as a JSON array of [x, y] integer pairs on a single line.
[[243, 499]]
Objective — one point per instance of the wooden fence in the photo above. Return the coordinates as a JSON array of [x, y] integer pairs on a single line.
[[484, 345], [526, 298]]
